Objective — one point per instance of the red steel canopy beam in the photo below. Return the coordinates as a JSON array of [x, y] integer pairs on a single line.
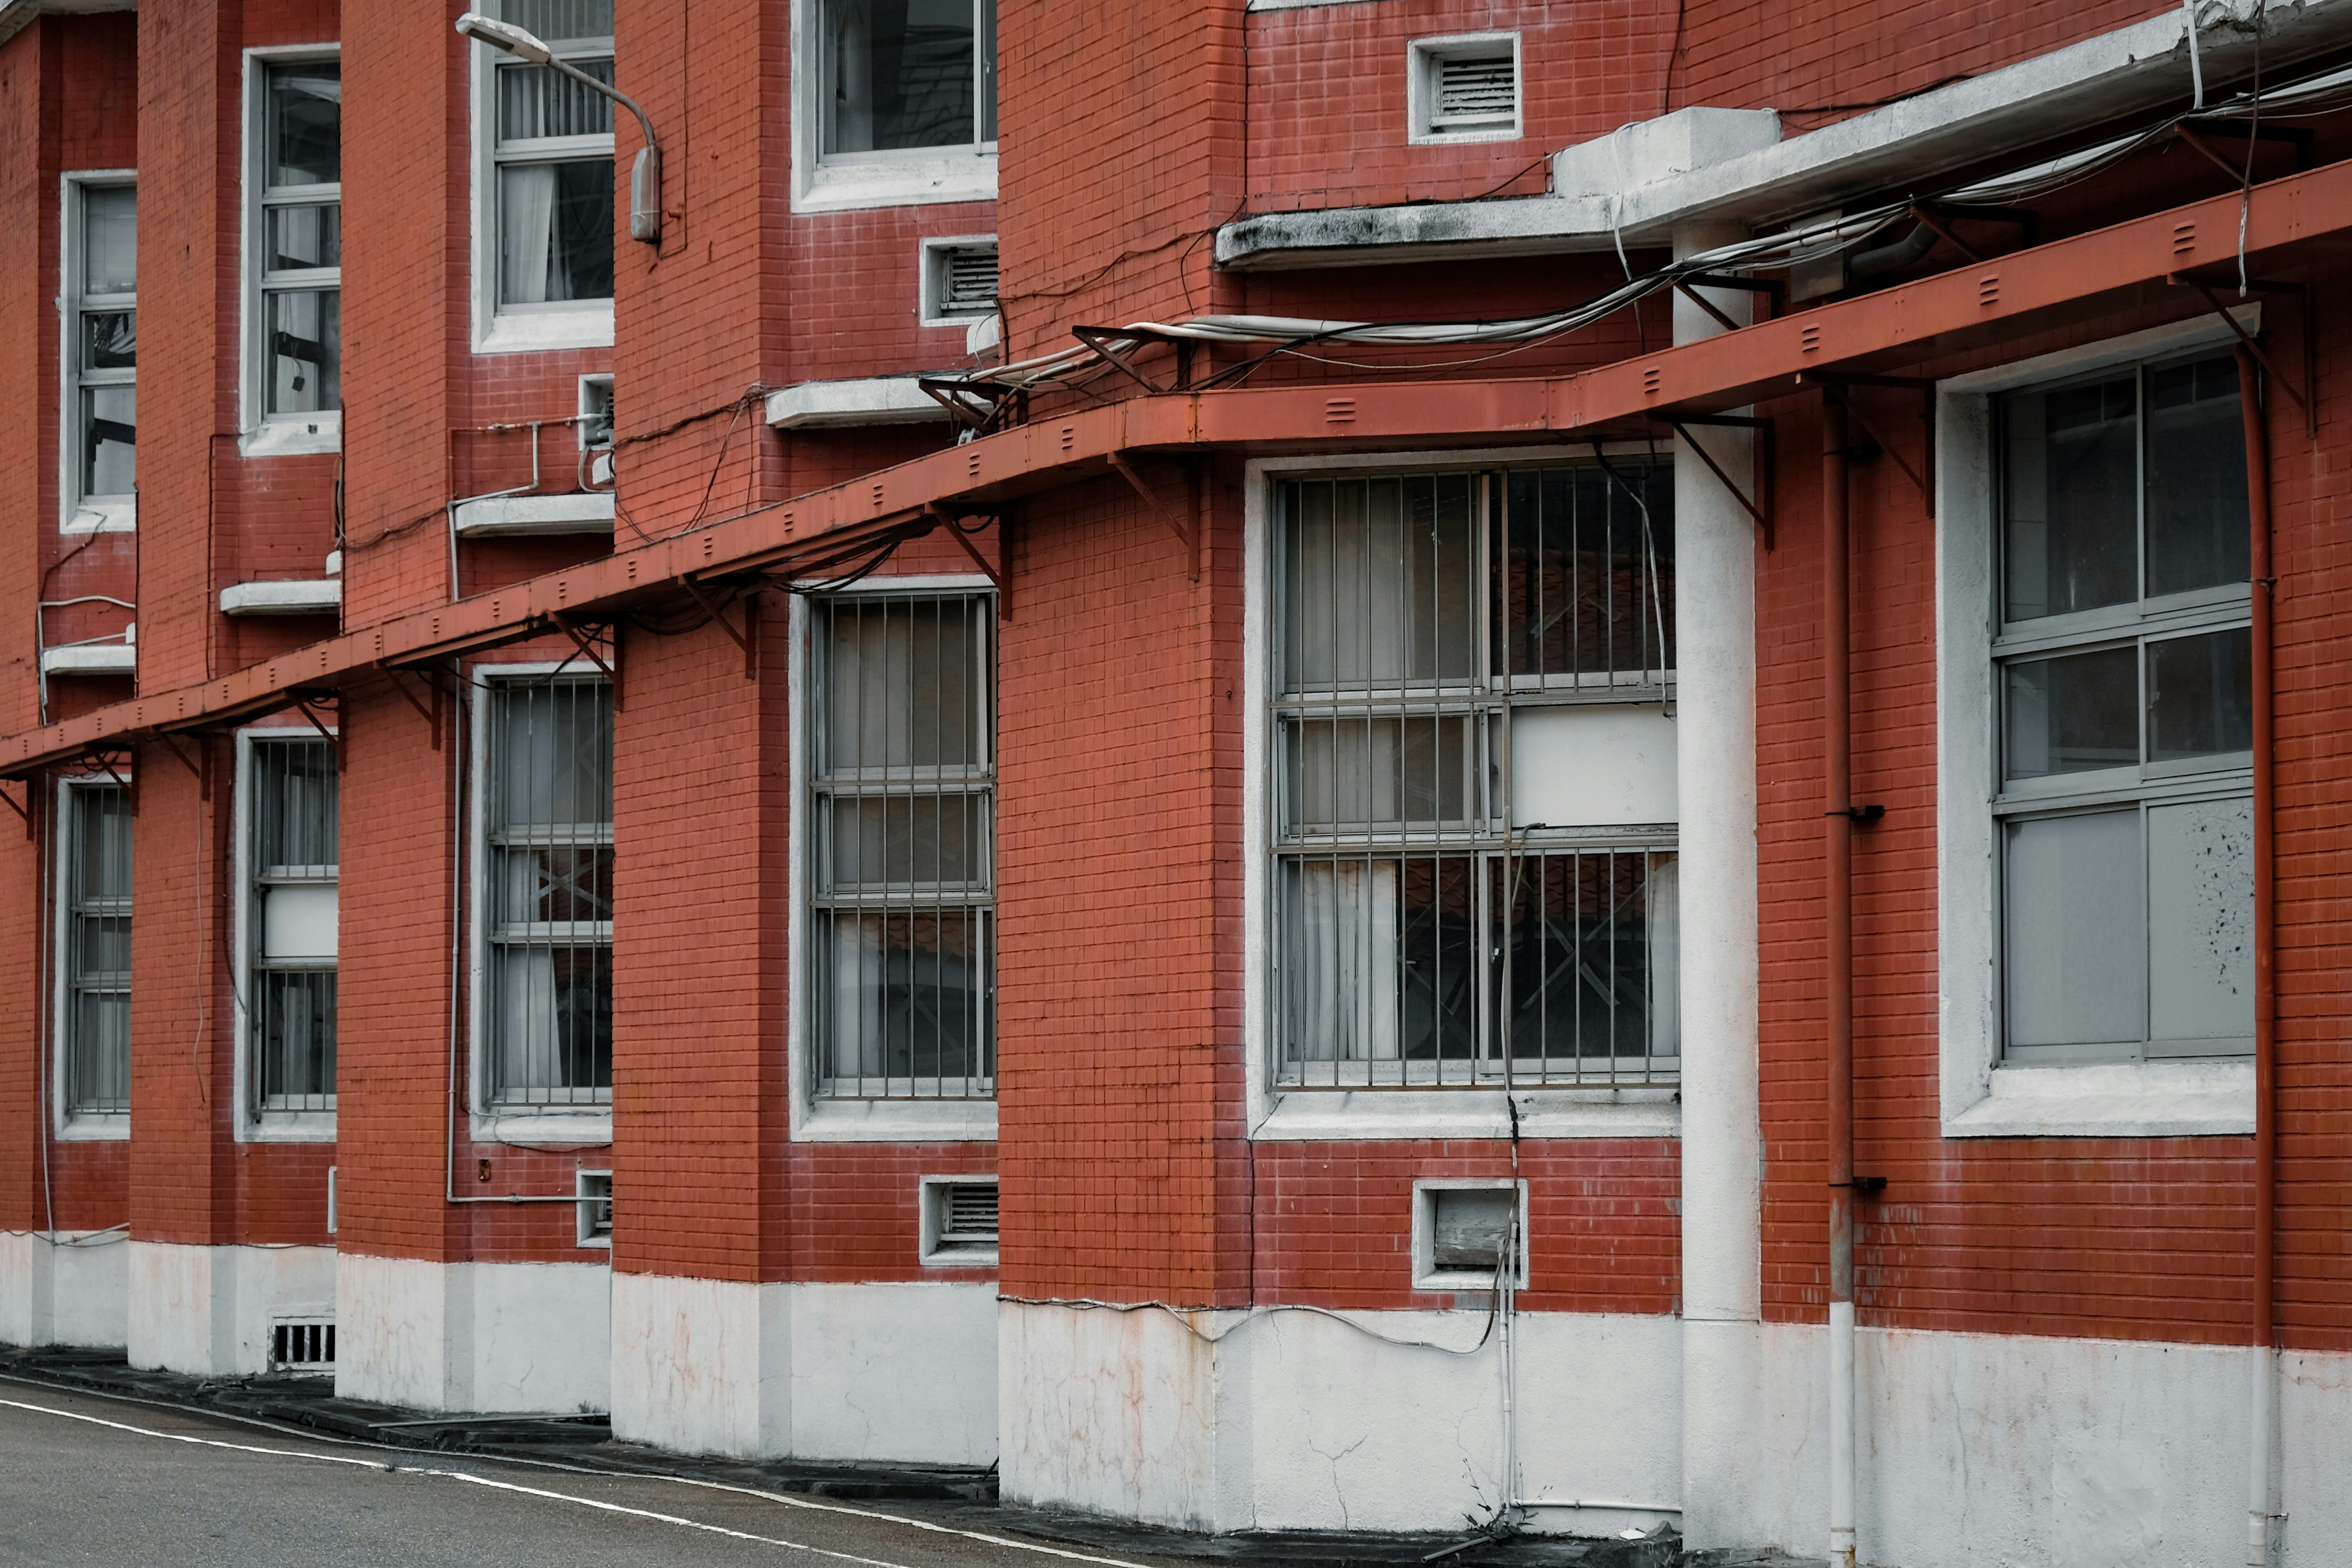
[[2067, 280]]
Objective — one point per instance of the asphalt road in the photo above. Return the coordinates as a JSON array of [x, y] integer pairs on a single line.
[[100, 1481]]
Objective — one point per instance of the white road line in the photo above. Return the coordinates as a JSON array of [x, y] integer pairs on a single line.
[[787, 1502]]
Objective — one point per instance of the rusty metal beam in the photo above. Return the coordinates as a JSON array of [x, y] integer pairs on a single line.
[[2063, 282]]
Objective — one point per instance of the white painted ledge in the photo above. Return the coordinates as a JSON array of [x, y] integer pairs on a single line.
[[588, 326], [850, 185], [846, 404], [90, 658], [585, 1129], [287, 437], [300, 596], [896, 1122], [2127, 1099], [495, 517], [1632, 184], [1346, 1115]]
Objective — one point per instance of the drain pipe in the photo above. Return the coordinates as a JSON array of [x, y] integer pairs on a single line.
[[2265, 1356], [1837, 868]]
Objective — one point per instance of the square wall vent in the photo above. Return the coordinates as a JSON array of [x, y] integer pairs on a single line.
[[595, 1190], [302, 1344], [958, 278], [959, 1221], [1464, 88], [1461, 1228]]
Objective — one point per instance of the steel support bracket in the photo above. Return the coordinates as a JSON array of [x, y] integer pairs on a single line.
[[303, 699], [431, 716], [587, 651], [1760, 508], [1830, 382], [742, 639], [1190, 533], [2253, 345], [1100, 339], [26, 810], [194, 765]]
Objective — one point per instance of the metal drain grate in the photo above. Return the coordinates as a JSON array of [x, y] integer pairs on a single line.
[[302, 1345]]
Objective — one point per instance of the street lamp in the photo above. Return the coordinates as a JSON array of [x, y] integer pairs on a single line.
[[645, 178]]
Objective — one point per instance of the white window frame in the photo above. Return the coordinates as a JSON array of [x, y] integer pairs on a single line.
[[111, 514], [263, 435], [251, 1125], [488, 1121], [67, 1124], [585, 1234], [568, 324], [1982, 1095], [1339, 1115], [931, 279], [1427, 1274], [1423, 57], [908, 178], [930, 1196], [813, 1119]]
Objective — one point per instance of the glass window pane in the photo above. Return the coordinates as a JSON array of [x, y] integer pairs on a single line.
[[542, 883], [907, 998], [557, 21], [306, 350], [2073, 714], [1588, 572], [109, 227], [1380, 581], [2197, 521], [2071, 520], [555, 232], [2201, 695], [1340, 960], [109, 440], [2074, 937], [899, 74], [110, 340], [1591, 971], [906, 686], [306, 124], [295, 1038], [2201, 925], [908, 840], [555, 1023], [539, 101], [305, 237], [554, 752], [296, 810], [988, 70], [1351, 774]]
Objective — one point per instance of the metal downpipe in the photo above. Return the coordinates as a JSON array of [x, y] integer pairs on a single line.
[[2264, 1376], [1837, 869]]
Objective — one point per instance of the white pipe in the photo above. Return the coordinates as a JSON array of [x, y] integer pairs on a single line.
[[1841, 1435], [2258, 1462]]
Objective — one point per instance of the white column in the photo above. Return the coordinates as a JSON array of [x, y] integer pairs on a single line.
[[1714, 622]]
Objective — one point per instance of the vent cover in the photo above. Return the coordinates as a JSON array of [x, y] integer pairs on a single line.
[[1468, 1227], [596, 1189], [1472, 93], [966, 280], [302, 1345], [968, 1212], [959, 1221]]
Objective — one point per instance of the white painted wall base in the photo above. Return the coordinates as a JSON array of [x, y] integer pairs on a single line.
[[904, 1372], [474, 1336], [206, 1311], [68, 1291], [1296, 1421]]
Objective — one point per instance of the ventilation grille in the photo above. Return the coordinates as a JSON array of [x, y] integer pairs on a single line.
[[595, 413], [967, 281], [968, 1213], [1476, 93], [302, 1345], [595, 1208]]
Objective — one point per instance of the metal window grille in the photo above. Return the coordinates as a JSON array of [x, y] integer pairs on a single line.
[[1424, 934], [903, 833], [547, 882], [595, 1188], [302, 1345], [98, 948], [296, 830], [553, 160], [301, 238], [102, 364], [2122, 680], [967, 281], [1474, 91]]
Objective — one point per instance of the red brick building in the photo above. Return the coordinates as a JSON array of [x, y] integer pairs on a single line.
[[1300, 764]]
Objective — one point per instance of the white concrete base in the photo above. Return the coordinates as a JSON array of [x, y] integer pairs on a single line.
[[1297, 1421], [474, 1336], [65, 1290], [812, 1371], [208, 1310]]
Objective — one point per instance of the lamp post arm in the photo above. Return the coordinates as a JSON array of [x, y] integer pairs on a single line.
[[645, 180], [567, 69]]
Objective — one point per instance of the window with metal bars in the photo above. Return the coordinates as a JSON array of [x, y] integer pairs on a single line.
[[291, 923], [1472, 807], [99, 440], [551, 160], [547, 890], [95, 1004], [902, 845]]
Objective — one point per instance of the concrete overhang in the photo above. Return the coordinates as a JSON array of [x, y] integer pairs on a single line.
[[90, 658], [848, 405], [507, 517], [300, 596], [1641, 184], [16, 16]]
